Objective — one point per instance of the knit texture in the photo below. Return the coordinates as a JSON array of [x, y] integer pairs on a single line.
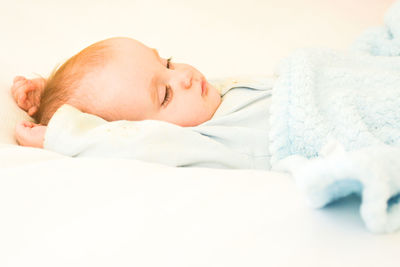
[[384, 40], [323, 93], [335, 123]]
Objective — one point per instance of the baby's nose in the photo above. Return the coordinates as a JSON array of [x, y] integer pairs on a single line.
[[186, 79]]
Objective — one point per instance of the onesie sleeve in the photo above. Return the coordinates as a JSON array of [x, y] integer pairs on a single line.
[[74, 133]]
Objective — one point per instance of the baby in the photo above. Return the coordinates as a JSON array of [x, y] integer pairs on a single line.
[[117, 79], [119, 98]]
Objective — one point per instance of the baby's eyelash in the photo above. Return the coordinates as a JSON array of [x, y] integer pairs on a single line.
[[168, 91], [167, 97], [168, 62]]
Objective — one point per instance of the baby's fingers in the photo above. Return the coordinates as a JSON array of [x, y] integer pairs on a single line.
[[24, 94], [28, 124], [18, 78], [18, 82], [32, 110], [22, 100], [29, 134], [21, 132]]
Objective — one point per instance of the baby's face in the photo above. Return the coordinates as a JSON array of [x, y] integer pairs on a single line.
[[138, 84]]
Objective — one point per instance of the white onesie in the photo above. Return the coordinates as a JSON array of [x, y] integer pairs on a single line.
[[235, 137]]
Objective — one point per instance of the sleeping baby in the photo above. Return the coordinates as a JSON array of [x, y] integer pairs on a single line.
[[119, 98], [330, 118]]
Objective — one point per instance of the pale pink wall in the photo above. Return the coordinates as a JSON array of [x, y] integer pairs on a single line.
[[219, 37], [363, 11]]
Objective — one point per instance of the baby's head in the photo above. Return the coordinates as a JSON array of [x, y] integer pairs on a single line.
[[122, 79]]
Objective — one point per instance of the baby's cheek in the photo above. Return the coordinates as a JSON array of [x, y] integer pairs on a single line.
[[198, 116]]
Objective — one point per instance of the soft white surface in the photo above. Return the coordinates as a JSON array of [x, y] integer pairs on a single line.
[[126, 213], [58, 211]]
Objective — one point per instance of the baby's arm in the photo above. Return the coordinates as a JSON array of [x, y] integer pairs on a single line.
[[30, 134], [27, 93], [74, 133]]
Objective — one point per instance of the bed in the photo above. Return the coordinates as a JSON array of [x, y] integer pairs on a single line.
[[62, 211]]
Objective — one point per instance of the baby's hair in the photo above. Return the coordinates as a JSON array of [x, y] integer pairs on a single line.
[[66, 79]]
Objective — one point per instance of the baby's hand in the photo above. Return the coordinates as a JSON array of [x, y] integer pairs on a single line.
[[30, 134], [27, 93]]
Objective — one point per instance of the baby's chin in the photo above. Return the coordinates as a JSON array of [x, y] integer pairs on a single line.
[[215, 97], [196, 120]]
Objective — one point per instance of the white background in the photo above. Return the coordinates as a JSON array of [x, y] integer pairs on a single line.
[[219, 37]]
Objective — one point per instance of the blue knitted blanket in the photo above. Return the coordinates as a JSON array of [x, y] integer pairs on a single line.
[[335, 123]]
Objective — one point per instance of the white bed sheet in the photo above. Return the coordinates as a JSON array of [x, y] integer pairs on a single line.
[[59, 211], [98, 212]]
